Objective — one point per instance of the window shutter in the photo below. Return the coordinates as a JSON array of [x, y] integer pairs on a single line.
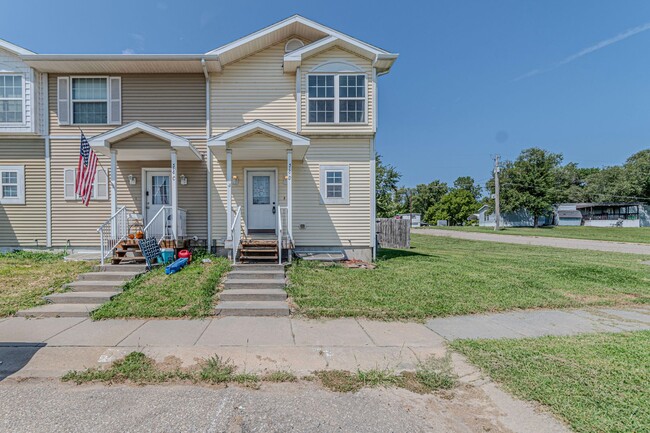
[[115, 101], [68, 183], [101, 185], [63, 100]]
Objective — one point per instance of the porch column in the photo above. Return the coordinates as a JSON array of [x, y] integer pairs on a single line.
[[112, 179], [289, 190], [174, 193], [228, 194]]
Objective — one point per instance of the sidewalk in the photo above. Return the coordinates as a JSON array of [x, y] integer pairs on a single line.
[[578, 244], [52, 346]]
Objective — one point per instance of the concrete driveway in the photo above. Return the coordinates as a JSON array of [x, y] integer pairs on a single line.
[[577, 244]]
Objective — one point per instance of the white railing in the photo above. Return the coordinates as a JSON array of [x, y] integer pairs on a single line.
[[284, 232], [235, 231], [160, 226], [112, 232]]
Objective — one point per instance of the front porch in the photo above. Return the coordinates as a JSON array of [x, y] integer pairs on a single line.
[[148, 167], [256, 161]]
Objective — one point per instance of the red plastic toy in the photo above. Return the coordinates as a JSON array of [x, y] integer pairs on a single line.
[[185, 254]]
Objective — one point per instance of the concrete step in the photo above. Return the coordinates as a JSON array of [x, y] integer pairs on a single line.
[[80, 297], [258, 267], [121, 268], [254, 308], [253, 274], [108, 276], [253, 295], [59, 310], [254, 284], [95, 286]]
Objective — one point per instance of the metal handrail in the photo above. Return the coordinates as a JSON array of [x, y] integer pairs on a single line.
[[155, 221], [158, 228], [113, 231], [235, 231], [284, 231]]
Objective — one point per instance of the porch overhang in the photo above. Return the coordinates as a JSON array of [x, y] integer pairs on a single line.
[[287, 141], [102, 144]]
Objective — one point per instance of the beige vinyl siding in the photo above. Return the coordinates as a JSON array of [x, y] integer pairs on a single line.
[[22, 225], [173, 102], [254, 88], [336, 54], [72, 222], [325, 225]]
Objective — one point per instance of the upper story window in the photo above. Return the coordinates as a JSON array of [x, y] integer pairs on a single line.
[[89, 101], [337, 98], [11, 98]]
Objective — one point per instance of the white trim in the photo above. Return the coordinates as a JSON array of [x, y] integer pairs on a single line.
[[143, 188], [337, 98], [334, 68], [375, 115], [345, 186], [20, 185], [174, 182], [277, 187], [22, 98], [373, 199], [112, 181], [48, 160], [229, 194], [286, 46], [13, 48], [298, 100]]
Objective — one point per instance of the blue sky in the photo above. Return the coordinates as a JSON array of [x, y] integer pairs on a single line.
[[474, 78]]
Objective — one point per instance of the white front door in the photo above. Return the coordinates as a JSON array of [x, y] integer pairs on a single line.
[[158, 192], [261, 201]]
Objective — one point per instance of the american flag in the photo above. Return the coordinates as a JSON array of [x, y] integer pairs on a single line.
[[86, 171]]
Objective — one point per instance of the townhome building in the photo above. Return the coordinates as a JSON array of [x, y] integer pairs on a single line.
[[269, 137]]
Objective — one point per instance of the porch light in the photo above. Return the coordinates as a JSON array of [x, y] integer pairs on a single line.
[[235, 180], [286, 179], [183, 179], [132, 180]]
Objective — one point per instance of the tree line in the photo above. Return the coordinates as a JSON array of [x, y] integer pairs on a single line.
[[536, 180]]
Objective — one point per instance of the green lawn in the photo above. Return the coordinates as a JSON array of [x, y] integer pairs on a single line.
[[188, 293], [443, 276], [26, 277], [596, 382], [620, 234]]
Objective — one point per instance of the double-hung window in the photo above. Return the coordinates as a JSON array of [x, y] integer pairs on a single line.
[[334, 184], [11, 98], [89, 101], [12, 184], [337, 98]]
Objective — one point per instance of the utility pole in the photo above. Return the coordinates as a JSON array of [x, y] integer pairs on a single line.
[[497, 204]]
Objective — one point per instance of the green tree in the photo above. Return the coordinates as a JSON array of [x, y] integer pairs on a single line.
[[455, 207], [637, 168], [531, 182], [608, 184], [467, 183], [426, 195], [386, 180]]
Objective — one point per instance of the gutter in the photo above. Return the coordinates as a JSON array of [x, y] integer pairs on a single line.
[[48, 164], [208, 133]]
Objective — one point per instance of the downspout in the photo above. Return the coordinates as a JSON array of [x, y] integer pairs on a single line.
[[208, 134], [48, 165]]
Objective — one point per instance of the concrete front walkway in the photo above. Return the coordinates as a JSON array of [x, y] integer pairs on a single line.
[[578, 244], [537, 323]]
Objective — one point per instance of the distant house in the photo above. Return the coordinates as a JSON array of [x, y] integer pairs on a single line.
[[632, 214], [522, 218], [414, 217]]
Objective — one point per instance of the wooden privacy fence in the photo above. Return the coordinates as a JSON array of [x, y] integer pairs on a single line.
[[393, 233]]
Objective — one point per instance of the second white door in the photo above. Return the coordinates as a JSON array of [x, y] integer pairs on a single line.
[[261, 201]]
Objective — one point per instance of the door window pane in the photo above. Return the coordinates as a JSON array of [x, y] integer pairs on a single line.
[[160, 187], [261, 190]]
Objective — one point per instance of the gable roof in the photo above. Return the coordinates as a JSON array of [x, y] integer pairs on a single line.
[[322, 37], [13, 48]]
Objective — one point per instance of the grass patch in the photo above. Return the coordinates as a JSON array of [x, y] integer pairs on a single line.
[[442, 276], [430, 375], [613, 234], [188, 293], [596, 382], [25, 277], [139, 369]]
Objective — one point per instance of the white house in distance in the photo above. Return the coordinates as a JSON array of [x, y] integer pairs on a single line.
[[414, 217], [522, 218]]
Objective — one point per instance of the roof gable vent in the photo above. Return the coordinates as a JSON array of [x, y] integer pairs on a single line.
[[293, 44]]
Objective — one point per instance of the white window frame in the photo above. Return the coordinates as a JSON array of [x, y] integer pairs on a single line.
[[107, 101], [94, 196], [345, 170], [337, 98], [20, 175], [22, 98]]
